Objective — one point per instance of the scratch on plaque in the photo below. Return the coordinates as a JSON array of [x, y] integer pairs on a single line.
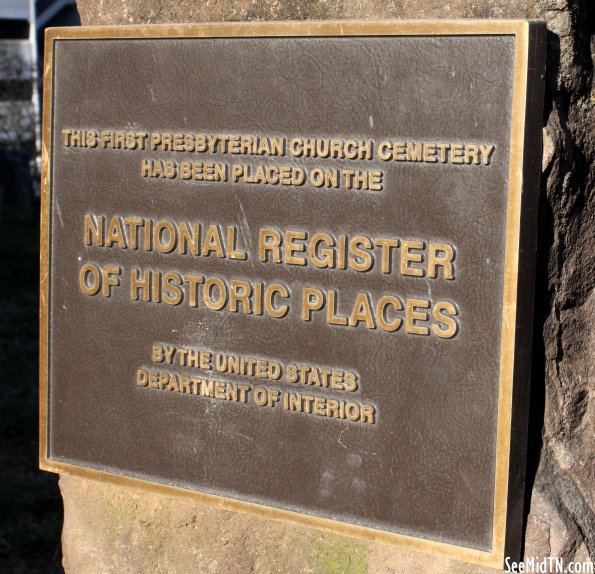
[[245, 229], [345, 446], [243, 436], [340, 436], [59, 212], [429, 286]]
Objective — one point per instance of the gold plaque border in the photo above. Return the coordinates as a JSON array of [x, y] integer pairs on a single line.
[[517, 28]]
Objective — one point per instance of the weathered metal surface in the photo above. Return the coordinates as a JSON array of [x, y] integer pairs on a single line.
[[288, 270]]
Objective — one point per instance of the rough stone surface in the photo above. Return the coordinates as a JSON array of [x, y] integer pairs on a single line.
[[115, 529], [159, 11], [563, 495]]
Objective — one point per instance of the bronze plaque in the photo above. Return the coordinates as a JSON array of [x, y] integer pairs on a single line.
[[288, 267]]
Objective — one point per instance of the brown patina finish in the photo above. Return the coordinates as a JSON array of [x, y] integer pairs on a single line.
[[288, 265]]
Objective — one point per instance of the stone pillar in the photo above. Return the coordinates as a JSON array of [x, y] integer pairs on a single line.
[[115, 529]]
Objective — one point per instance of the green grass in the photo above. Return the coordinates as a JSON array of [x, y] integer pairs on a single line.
[[30, 505]]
